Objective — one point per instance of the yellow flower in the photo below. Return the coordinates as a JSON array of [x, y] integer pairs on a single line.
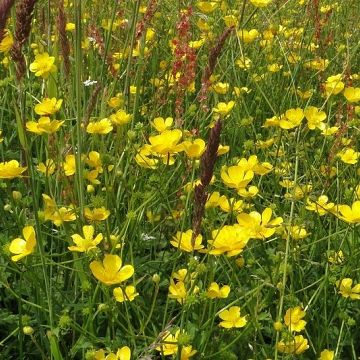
[[47, 168], [291, 119], [48, 106], [296, 346], [223, 109], [23, 247], [350, 214], [168, 345], [44, 126], [213, 200], [193, 149], [253, 164], [231, 318], [336, 257], [214, 291], [183, 241], [260, 226], [321, 206], [91, 176], [102, 127], [7, 42], [207, 7], [122, 354], [327, 355], [121, 117], [315, 118], [11, 169], [94, 161], [161, 124], [116, 101], [293, 319], [43, 65], [97, 214], [296, 232], [248, 36], [221, 88], [346, 290], [86, 243], [334, 85], [69, 165], [128, 294], [166, 142], [252, 191], [142, 158], [228, 239], [187, 352], [110, 271], [230, 205], [70, 26], [260, 3], [235, 177], [177, 290], [352, 94], [63, 214], [349, 156]]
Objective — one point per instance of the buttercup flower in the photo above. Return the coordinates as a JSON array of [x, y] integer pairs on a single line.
[[48, 106], [161, 124], [122, 354], [43, 65], [260, 226], [177, 290], [350, 214], [47, 168], [69, 165], [260, 3], [129, 294], [349, 156], [235, 177], [101, 127], [166, 142], [321, 206], [121, 117], [109, 271], [169, 344], [352, 95], [315, 118], [229, 239], [11, 169], [296, 346], [23, 247], [86, 243], [44, 126], [7, 42], [97, 214], [347, 290], [291, 119], [224, 109], [193, 149], [327, 355], [183, 241], [214, 291], [334, 85], [293, 319], [231, 318]]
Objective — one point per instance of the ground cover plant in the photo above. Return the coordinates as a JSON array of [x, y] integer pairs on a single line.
[[179, 180]]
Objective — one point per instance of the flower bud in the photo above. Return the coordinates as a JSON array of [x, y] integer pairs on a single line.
[[28, 330], [16, 195]]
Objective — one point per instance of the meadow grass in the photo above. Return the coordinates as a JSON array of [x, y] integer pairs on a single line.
[[179, 179]]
